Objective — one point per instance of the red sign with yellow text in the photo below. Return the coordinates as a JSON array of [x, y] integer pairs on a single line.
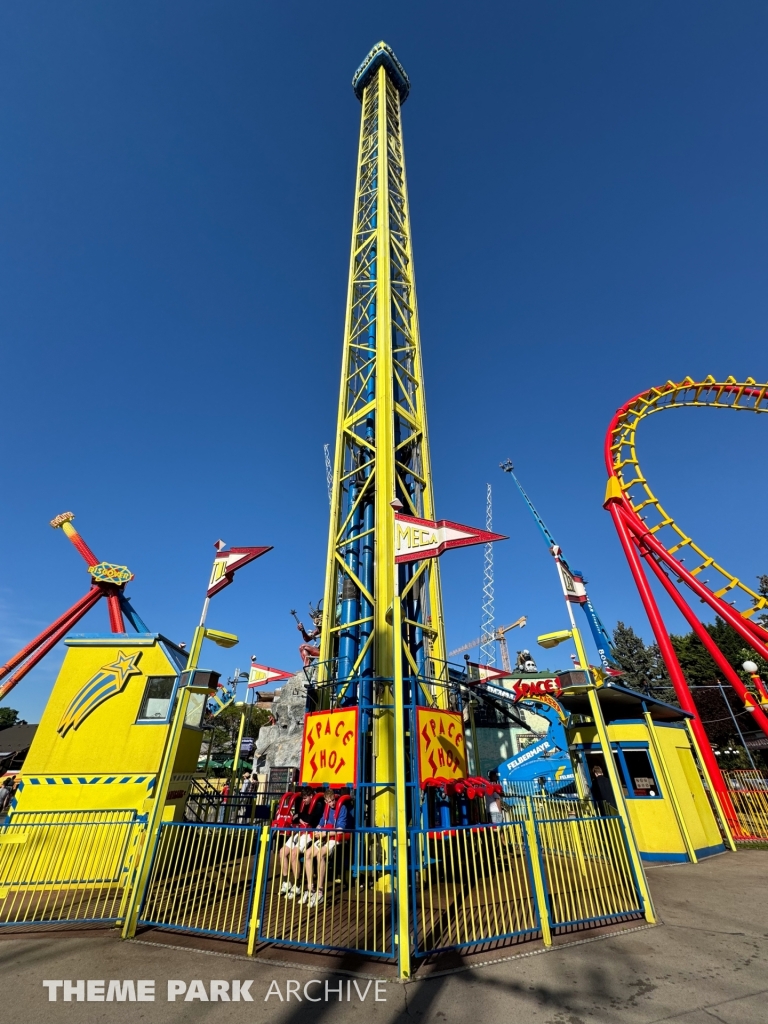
[[329, 748], [523, 688], [441, 745]]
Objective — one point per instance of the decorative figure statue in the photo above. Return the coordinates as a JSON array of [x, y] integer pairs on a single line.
[[525, 662], [310, 650]]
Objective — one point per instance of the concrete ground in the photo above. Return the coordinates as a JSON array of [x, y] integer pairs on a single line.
[[706, 962]]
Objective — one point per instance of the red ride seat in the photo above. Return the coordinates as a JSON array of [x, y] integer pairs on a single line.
[[345, 800], [287, 810]]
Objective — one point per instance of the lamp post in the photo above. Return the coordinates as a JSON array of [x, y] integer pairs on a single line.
[[155, 818], [401, 818], [751, 668], [549, 640], [225, 565]]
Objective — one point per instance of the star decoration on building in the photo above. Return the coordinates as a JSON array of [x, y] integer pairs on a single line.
[[124, 667]]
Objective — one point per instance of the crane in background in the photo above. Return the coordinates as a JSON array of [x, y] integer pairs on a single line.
[[573, 583], [499, 635], [487, 649]]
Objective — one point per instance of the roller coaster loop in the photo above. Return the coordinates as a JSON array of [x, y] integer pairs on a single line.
[[647, 530]]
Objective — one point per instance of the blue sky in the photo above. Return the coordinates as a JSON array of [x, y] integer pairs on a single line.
[[587, 185]]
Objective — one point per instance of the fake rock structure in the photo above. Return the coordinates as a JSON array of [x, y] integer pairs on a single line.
[[279, 745]]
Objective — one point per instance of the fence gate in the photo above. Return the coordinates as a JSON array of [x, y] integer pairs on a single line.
[[202, 879], [588, 875], [471, 885], [357, 909], [66, 867]]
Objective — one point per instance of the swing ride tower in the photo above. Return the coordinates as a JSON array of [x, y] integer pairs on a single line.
[[382, 453]]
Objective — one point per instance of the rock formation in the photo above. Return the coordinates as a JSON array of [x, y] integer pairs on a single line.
[[279, 745]]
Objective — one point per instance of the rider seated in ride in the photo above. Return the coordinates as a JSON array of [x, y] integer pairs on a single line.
[[336, 819], [308, 813]]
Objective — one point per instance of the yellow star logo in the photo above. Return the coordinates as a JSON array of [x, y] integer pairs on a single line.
[[124, 667]]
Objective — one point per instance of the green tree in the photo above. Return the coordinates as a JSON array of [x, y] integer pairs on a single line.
[[698, 665], [642, 665], [9, 717], [226, 725], [717, 708]]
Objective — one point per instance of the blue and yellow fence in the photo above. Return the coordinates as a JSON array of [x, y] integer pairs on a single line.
[[202, 879], [470, 886], [588, 875], [357, 908], [67, 867]]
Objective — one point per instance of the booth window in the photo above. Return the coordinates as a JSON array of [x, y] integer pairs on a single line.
[[638, 774], [195, 710], [157, 699]]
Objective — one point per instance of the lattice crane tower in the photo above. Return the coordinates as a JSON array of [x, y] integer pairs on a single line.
[[488, 633], [381, 453]]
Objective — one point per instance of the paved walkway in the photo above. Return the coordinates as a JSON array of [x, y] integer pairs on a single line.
[[705, 964]]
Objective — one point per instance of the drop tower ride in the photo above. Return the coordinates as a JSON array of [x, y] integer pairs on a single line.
[[381, 462]]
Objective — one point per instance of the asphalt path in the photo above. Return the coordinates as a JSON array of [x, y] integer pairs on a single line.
[[705, 962]]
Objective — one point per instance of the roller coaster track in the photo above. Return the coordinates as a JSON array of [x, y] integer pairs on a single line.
[[622, 462], [646, 530]]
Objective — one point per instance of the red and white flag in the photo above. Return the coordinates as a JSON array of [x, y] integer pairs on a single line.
[[479, 673], [227, 562], [260, 675], [423, 538]]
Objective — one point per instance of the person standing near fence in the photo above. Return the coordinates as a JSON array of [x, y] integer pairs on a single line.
[[602, 791], [224, 799], [6, 795], [493, 801], [246, 791]]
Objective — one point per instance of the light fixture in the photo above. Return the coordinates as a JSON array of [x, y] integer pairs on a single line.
[[221, 639], [751, 667], [553, 639]]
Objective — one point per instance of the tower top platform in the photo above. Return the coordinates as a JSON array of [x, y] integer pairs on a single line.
[[381, 54]]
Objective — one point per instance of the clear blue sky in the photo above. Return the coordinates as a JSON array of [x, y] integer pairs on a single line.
[[589, 204]]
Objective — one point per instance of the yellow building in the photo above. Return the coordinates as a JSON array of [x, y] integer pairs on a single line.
[[668, 806], [100, 743]]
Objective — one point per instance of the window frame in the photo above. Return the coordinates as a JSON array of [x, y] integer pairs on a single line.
[[171, 701], [630, 746]]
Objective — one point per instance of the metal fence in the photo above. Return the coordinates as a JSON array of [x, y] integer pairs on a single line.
[[351, 908], [66, 866], [471, 885], [588, 875], [202, 879], [518, 806], [208, 804], [749, 795]]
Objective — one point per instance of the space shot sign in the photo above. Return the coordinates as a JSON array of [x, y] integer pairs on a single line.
[[527, 688], [442, 753], [329, 748]]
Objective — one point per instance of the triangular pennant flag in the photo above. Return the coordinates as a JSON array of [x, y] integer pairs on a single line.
[[425, 538], [226, 564], [260, 675], [479, 673]]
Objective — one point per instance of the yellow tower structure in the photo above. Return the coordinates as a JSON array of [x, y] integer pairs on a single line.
[[382, 452]]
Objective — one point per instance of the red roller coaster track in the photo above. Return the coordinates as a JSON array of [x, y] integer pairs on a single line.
[[649, 534]]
